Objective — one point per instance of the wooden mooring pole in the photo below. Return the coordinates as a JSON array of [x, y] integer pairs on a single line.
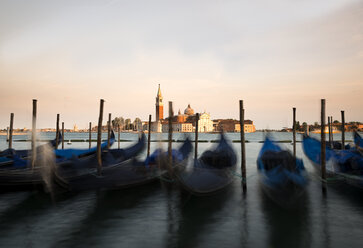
[[57, 133], [34, 132], [149, 136], [196, 136], [332, 135], [343, 130], [294, 131], [90, 135], [323, 145], [109, 131], [99, 138], [62, 135], [11, 131], [243, 146], [330, 131], [170, 136], [118, 136]]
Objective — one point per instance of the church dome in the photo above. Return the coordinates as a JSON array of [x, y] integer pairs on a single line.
[[189, 110]]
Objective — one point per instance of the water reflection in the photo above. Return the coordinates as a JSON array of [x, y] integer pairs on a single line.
[[244, 219], [325, 222], [110, 219], [199, 217], [287, 227], [349, 193]]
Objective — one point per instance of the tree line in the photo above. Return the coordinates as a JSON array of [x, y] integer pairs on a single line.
[[126, 124], [349, 125]]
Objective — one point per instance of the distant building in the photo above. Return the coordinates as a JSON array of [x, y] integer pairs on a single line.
[[159, 105], [248, 125], [230, 125], [178, 127], [181, 122]]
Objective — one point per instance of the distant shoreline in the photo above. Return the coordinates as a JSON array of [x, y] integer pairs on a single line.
[[257, 131]]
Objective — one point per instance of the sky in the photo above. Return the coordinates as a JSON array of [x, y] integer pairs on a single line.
[[272, 54]]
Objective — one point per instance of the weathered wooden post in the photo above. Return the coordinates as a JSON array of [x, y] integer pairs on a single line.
[[34, 132], [196, 136], [11, 131], [90, 135], [243, 146], [294, 131], [330, 132], [109, 130], [7, 134], [118, 136], [343, 130], [57, 133], [62, 135], [149, 137], [99, 137], [323, 145], [170, 132]]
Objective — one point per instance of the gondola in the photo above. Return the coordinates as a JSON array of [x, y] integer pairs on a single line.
[[8, 156], [211, 172], [120, 169], [19, 159], [19, 174], [283, 177], [64, 154], [358, 141], [341, 165]]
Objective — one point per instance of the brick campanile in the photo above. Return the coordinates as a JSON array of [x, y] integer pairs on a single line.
[[159, 106]]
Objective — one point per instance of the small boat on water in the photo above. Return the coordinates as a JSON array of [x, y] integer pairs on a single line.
[[18, 173], [358, 141], [283, 177], [212, 172], [64, 154], [341, 165], [9, 156], [120, 168]]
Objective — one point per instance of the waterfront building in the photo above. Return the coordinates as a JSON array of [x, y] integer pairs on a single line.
[[156, 127], [205, 124], [178, 127], [181, 122], [248, 125], [185, 122], [230, 125]]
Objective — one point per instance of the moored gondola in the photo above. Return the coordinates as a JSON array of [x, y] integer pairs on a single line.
[[9, 156], [209, 173], [18, 173], [120, 169], [283, 177], [341, 165], [358, 141]]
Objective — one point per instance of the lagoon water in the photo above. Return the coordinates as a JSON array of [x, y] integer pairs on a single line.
[[162, 215]]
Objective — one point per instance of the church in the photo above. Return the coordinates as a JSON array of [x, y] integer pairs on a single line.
[[182, 122]]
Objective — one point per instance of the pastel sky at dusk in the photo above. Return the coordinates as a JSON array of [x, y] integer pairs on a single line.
[[273, 54]]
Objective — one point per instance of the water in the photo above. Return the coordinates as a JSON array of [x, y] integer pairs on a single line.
[[161, 215]]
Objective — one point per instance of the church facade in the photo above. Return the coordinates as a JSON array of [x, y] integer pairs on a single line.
[[182, 122], [186, 121]]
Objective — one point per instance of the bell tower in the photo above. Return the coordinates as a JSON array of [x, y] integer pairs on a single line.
[[159, 106]]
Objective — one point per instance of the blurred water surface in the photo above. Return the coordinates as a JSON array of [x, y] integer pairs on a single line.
[[162, 215]]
